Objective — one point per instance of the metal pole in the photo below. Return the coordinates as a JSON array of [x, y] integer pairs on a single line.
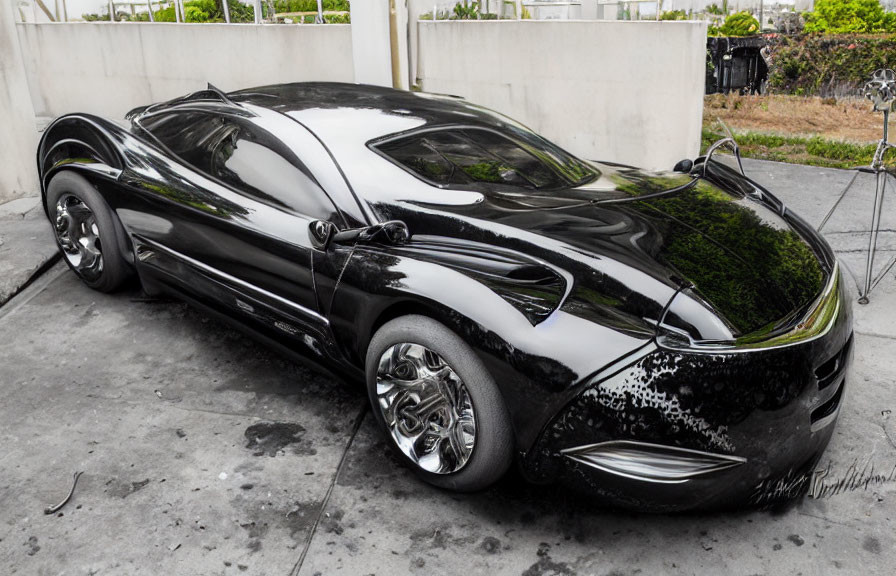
[[226, 6], [320, 12], [148, 5], [258, 11], [64, 11], [875, 227], [111, 11], [393, 44]]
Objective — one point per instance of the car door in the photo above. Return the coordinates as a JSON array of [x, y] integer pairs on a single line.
[[235, 213]]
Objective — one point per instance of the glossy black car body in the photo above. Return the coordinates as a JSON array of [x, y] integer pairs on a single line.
[[667, 340]]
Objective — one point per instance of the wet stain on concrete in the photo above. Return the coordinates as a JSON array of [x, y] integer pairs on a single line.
[[439, 536], [256, 532], [261, 520], [871, 544], [332, 522], [32, 545], [796, 539], [122, 489], [270, 438], [545, 566], [490, 545], [300, 518], [432, 537], [255, 529]]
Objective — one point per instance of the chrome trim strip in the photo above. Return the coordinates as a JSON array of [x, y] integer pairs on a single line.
[[103, 169], [648, 462], [97, 167], [233, 279]]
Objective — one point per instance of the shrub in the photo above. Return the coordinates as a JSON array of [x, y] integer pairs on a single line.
[[674, 15], [466, 10], [739, 24], [849, 16], [828, 65]]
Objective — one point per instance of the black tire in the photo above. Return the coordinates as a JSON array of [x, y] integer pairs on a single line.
[[115, 269], [492, 452]]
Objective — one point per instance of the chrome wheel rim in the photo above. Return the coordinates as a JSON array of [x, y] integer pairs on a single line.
[[427, 408], [79, 236]]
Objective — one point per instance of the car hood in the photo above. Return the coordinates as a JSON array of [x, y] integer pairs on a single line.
[[635, 238]]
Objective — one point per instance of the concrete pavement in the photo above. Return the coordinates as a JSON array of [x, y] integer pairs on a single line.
[[203, 453], [26, 244]]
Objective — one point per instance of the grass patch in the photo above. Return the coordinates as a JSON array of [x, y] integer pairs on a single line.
[[814, 151]]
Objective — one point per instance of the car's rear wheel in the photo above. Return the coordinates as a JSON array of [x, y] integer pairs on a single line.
[[438, 405], [85, 232]]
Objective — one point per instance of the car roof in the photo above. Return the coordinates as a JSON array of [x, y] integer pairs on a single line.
[[297, 98]]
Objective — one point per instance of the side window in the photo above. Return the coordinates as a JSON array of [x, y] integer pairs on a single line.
[[246, 158], [470, 156]]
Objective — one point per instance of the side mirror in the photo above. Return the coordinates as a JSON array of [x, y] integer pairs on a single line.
[[321, 233], [394, 232], [684, 166]]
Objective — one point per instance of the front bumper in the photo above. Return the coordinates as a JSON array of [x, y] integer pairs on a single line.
[[752, 423]]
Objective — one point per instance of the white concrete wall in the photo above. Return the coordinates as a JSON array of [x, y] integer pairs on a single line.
[[629, 92], [416, 8], [18, 134], [371, 51], [107, 69]]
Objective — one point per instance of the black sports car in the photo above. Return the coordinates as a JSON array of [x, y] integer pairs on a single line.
[[666, 340]]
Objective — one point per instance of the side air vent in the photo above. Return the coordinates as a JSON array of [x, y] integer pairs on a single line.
[[825, 414], [830, 371]]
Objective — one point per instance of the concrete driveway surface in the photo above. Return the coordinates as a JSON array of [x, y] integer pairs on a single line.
[[203, 453]]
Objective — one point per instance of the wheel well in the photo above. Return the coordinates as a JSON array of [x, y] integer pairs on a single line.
[[397, 310]]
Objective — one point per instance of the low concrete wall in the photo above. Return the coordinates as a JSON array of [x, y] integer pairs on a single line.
[[107, 69], [629, 92], [18, 139]]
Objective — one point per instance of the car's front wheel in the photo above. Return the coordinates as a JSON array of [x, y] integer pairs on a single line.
[[438, 405], [85, 232]]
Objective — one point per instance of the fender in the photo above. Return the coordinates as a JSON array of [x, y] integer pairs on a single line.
[[82, 142], [90, 146], [535, 353]]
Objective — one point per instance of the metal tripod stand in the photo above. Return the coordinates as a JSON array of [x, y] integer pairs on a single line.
[[881, 90]]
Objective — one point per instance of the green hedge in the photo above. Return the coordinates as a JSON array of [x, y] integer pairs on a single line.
[[822, 65]]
